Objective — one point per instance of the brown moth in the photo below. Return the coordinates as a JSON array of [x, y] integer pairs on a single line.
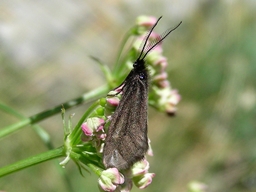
[[127, 140]]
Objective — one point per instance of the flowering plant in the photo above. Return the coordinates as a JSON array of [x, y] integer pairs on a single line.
[[84, 143]]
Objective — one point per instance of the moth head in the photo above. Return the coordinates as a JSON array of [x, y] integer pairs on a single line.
[[139, 64]]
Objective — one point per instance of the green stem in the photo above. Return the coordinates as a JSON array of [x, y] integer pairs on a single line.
[[55, 153], [11, 111], [40, 131], [105, 70], [44, 137], [14, 127], [95, 169], [86, 97], [121, 47], [43, 115]]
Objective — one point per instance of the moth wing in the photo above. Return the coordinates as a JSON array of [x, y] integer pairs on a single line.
[[126, 141]]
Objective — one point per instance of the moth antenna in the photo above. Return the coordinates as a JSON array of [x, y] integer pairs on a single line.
[[158, 40], [148, 38]]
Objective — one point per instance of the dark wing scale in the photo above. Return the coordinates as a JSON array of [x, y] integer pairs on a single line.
[[127, 141]]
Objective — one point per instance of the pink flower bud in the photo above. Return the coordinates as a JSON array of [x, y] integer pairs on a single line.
[[161, 63], [153, 37], [147, 21], [88, 131], [110, 179], [163, 84], [113, 101], [143, 181], [172, 101], [92, 125], [140, 168], [160, 77], [101, 136], [175, 97], [150, 150]]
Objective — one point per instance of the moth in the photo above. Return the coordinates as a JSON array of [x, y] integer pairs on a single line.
[[127, 142]]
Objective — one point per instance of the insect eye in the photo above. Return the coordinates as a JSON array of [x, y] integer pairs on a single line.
[[141, 76]]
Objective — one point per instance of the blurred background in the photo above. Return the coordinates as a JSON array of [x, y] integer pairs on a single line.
[[44, 61]]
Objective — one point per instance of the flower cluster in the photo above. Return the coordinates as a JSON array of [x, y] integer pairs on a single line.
[[161, 96], [140, 175], [94, 132], [112, 180], [94, 127]]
